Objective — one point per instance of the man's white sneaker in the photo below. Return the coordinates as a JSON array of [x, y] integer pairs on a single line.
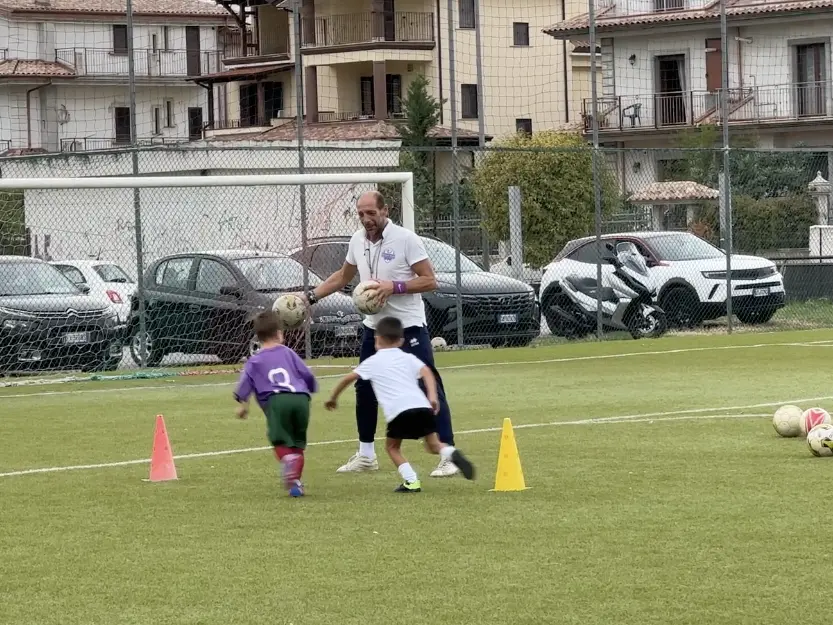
[[446, 468], [359, 463]]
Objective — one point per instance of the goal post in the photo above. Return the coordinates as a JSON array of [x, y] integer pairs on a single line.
[[406, 179]]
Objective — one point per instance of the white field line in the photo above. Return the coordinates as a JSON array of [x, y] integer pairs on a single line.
[[676, 415], [171, 382]]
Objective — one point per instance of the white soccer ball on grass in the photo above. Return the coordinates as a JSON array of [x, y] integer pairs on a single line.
[[366, 297], [819, 438], [438, 343], [787, 421], [291, 309]]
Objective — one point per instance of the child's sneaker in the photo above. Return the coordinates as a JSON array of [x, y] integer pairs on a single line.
[[462, 463], [409, 487], [297, 489]]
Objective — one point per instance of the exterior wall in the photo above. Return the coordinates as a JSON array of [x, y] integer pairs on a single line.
[[100, 222], [580, 87]]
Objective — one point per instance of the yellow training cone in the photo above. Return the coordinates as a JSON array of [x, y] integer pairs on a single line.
[[509, 476]]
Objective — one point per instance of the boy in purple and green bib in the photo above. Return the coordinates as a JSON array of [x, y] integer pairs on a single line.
[[283, 386]]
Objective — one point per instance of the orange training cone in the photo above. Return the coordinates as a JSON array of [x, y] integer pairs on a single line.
[[162, 459]]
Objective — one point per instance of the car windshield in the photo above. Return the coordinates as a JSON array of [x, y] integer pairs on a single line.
[[682, 246], [112, 273], [443, 257], [31, 278], [275, 274]]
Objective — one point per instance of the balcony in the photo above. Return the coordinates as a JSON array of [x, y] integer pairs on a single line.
[[364, 31], [624, 8], [349, 116], [104, 62], [5, 146], [4, 54], [91, 144], [767, 104]]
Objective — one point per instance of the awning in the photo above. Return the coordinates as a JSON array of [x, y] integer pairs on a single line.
[[252, 72]]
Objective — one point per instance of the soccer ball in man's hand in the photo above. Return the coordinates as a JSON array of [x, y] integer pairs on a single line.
[[787, 421], [819, 438], [291, 309], [366, 297], [813, 417]]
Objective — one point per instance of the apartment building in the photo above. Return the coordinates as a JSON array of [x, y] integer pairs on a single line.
[[64, 72], [661, 71], [360, 56]]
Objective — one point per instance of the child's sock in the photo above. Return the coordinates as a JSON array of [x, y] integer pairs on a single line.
[[447, 452], [299, 462], [368, 450], [281, 451], [407, 472]]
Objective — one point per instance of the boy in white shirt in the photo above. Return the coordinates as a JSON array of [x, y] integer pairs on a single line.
[[394, 375]]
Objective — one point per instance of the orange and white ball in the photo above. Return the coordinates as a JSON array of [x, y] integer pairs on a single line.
[[812, 417]]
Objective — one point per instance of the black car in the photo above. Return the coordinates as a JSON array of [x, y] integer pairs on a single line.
[[496, 309], [48, 323], [204, 303]]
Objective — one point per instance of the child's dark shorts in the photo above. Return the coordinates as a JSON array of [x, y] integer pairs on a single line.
[[412, 424]]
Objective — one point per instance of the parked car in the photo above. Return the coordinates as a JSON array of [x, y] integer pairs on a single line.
[[106, 280], [47, 322], [496, 309], [690, 275], [529, 274], [204, 302]]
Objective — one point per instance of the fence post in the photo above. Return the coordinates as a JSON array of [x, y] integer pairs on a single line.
[[516, 240]]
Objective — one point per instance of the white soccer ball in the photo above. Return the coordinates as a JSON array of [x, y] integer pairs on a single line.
[[366, 297], [291, 309], [813, 417], [438, 343], [819, 438], [787, 421]]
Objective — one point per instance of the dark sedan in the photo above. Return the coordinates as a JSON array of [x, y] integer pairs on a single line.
[[496, 309], [203, 303]]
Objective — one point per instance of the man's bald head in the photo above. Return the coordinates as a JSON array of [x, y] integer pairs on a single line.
[[372, 213]]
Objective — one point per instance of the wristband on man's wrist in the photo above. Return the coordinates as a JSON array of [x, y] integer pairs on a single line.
[[399, 287], [311, 298]]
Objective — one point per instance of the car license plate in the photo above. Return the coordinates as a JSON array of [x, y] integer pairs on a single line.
[[507, 318], [346, 331], [760, 292], [75, 338]]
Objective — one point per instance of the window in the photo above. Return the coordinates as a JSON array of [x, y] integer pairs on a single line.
[[112, 273], [444, 258], [195, 125], [273, 100], [169, 113], [585, 254], [466, 16], [121, 119], [34, 278], [213, 277], [248, 105], [328, 258], [119, 39], [469, 98], [366, 92], [520, 34], [157, 120], [73, 273], [174, 273], [523, 125], [268, 275], [393, 94], [166, 37], [154, 43]]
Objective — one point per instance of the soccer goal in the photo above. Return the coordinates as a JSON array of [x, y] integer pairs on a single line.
[[105, 234]]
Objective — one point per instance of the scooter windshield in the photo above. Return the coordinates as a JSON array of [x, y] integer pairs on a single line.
[[630, 257]]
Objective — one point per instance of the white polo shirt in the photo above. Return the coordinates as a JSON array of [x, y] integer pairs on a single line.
[[391, 258], [394, 376]]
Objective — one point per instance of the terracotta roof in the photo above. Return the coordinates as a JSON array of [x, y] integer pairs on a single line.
[[608, 19], [12, 68], [671, 192], [242, 73], [369, 130], [140, 7]]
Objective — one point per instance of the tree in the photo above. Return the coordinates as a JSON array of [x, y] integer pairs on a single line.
[[555, 174]]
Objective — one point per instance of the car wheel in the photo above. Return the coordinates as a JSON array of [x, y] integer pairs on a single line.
[[681, 306], [153, 353], [756, 316]]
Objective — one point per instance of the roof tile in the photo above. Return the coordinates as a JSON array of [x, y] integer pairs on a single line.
[[12, 68], [140, 7]]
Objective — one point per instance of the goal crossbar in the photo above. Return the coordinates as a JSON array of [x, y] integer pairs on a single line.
[[405, 178]]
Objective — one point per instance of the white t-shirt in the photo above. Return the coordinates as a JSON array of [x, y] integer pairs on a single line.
[[391, 258], [394, 376]]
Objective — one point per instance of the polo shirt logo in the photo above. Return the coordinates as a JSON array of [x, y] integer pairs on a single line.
[[388, 254]]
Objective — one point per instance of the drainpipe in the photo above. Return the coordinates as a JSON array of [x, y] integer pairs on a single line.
[[740, 60], [29, 112], [438, 35]]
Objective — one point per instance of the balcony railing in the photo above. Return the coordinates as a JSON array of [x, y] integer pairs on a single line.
[[623, 8], [365, 28], [90, 144], [5, 146], [347, 116], [747, 105], [235, 124], [147, 63], [4, 54]]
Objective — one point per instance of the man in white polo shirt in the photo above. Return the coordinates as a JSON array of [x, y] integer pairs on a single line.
[[396, 257]]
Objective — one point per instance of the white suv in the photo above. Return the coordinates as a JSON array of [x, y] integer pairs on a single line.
[[689, 273]]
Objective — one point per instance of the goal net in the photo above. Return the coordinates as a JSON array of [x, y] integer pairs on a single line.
[[107, 273]]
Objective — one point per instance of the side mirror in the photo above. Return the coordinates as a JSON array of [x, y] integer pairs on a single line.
[[84, 288], [231, 291], [509, 260]]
